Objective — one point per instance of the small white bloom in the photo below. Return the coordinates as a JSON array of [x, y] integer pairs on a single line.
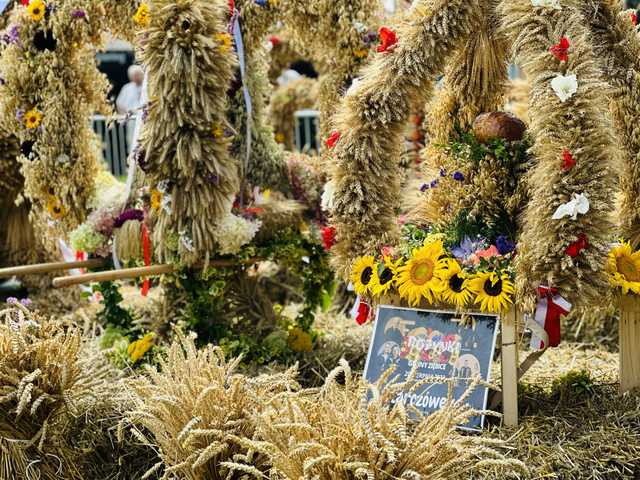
[[165, 204], [268, 45], [306, 259], [163, 186], [579, 204], [354, 85], [565, 86], [63, 158], [186, 242], [359, 26], [554, 4], [327, 201], [233, 232]]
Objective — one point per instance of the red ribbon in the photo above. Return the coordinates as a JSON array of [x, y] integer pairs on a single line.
[[560, 51], [364, 311], [555, 307], [146, 252]]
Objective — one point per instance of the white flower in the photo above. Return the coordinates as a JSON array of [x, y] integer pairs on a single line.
[[579, 204], [554, 4], [163, 186], [327, 201], [565, 87], [359, 26], [63, 158], [233, 232], [186, 242], [354, 85], [165, 204]]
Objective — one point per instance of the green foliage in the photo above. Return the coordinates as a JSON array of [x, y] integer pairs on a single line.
[[112, 314], [576, 385]]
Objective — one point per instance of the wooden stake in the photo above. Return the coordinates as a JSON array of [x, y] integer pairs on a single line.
[[509, 354], [629, 332], [111, 275], [40, 268]]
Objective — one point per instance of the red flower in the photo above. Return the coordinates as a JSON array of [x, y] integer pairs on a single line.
[[333, 139], [634, 18], [388, 40], [328, 237], [24, 2], [568, 162], [363, 313], [576, 247], [232, 6], [253, 210], [275, 41], [560, 51]]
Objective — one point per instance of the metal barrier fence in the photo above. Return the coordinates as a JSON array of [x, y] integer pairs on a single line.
[[115, 138]]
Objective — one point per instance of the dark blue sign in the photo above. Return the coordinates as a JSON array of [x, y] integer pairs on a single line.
[[443, 344]]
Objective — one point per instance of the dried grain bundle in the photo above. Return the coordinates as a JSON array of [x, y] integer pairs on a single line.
[[371, 121], [189, 60], [307, 176], [300, 94], [51, 87], [278, 214], [55, 389], [565, 125], [336, 433], [197, 410], [617, 47], [475, 82]]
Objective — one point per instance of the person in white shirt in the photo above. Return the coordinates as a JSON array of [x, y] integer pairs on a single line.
[[129, 97]]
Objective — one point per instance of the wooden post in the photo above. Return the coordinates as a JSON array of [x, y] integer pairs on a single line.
[[629, 332], [509, 354], [40, 268], [111, 275]]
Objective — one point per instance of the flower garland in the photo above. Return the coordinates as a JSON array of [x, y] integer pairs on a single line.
[[566, 250], [371, 121], [188, 60]]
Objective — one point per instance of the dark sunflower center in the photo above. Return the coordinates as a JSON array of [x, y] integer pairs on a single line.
[[455, 283], [365, 276], [491, 289], [386, 276], [36, 11], [57, 209]]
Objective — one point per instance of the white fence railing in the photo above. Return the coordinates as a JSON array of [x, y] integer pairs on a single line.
[[115, 138]]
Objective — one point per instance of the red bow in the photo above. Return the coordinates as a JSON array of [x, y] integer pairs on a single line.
[[560, 51], [146, 253], [274, 40], [24, 2], [576, 247], [333, 139], [551, 307], [232, 6], [634, 18], [363, 313], [568, 161], [388, 40], [328, 237]]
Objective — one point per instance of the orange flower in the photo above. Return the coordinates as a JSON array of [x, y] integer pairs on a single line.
[[388, 40]]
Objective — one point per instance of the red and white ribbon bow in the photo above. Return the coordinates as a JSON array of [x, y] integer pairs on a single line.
[[551, 306]]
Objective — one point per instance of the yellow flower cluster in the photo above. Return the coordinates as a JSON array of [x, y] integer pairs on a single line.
[[623, 268], [430, 275], [137, 349], [141, 17]]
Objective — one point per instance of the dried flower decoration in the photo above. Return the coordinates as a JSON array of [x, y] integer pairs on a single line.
[[141, 17], [32, 118], [565, 86], [217, 130], [388, 40], [560, 51], [36, 9], [568, 162]]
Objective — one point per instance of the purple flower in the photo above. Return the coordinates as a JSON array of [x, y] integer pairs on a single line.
[[132, 214], [213, 179], [102, 221], [424, 187], [79, 13], [262, 3], [504, 245], [12, 35], [443, 172], [12, 300], [458, 176], [434, 183], [26, 302], [468, 247], [145, 112]]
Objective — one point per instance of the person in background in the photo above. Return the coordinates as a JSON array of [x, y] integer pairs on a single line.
[[129, 97]]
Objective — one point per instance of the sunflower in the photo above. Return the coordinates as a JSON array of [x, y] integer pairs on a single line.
[[383, 281], [156, 200], [493, 291], [455, 285], [32, 118], [36, 9], [141, 18], [420, 276], [224, 39], [362, 274], [623, 267], [55, 208]]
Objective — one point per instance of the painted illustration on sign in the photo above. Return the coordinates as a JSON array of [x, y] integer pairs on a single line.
[[440, 344]]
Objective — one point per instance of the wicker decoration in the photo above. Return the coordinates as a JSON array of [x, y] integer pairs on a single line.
[[371, 122], [189, 59], [575, 151]]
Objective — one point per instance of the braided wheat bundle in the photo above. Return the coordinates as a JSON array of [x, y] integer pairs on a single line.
[[190, 62], [569, 252], [371, 122]]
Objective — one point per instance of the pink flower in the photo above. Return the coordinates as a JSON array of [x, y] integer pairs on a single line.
[[490, 252], [387, 251]]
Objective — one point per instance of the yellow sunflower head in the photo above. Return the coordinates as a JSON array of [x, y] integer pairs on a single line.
[[455, 285], [385, 278], [623, 267], [224, 41], [361, 53], [362, 274], [36, 9], [493, 291], [141, 17], [420, 277], [32, 118]]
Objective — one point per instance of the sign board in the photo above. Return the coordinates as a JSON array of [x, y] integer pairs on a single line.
[[443, 345]]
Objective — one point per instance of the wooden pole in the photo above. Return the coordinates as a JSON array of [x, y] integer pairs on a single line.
[[40, 268], [629, 333], [111, 275], [509, 354]]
